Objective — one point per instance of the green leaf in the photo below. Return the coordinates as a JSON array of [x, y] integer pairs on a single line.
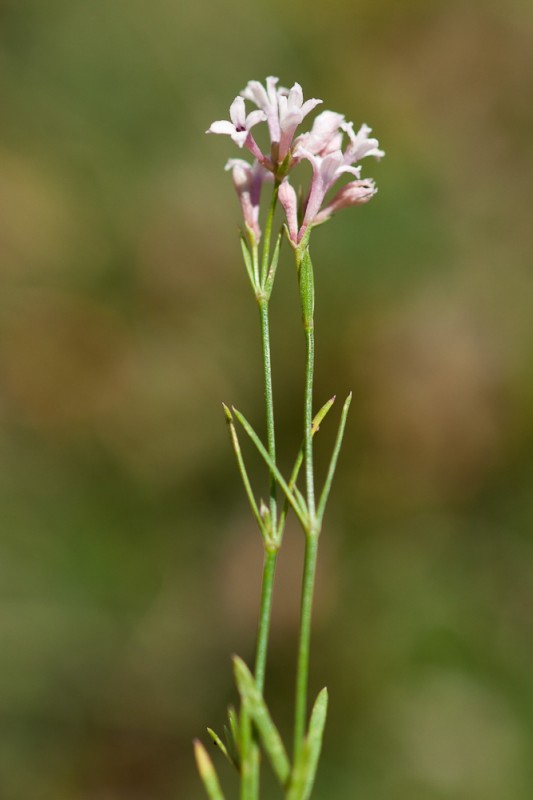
[[220, 744], [317, 421], [234, 728], [273, 267], [243, 472], [248, 262], [257, 708], [248, 771], [300, 512], [231, 748], [319, 417], [334, 457], [305, 767], [207, 772]]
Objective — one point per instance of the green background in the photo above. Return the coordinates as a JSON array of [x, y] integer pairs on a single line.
[[128, 559]]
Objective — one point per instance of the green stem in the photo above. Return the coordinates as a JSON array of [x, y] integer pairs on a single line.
[[269, 403], [308, 585], [308, 420], [312, 531], [269, 568], [250, 788]]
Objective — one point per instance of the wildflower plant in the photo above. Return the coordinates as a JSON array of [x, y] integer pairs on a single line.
[[333, 149]]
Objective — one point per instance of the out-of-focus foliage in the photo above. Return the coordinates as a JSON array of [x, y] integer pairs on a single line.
[[128, 563]]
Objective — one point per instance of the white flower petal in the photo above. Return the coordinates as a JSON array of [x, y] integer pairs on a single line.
[[222, 126], [254, 118], [239, 137], [296, 96], [309, 105], [237, 112]]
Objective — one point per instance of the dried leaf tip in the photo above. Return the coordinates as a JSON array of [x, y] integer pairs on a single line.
[[203, 762]]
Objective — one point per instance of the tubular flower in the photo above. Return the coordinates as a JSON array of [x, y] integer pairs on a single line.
[[354, 193], [292, 111], [324, 137], [239, 127], [287, 198], [326, 170], [267, 101], [360, 145], [284, 109], [248, 181]]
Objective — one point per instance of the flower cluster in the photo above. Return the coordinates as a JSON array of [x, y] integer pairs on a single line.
[[332, 147]]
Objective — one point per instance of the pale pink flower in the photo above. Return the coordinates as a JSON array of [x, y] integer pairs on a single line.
[[248, 181], [288, 199], [326, 170], [360, 145], [240, 125], [354, 193], [324, 137], [284, 109], [267, 101], [292, 111]]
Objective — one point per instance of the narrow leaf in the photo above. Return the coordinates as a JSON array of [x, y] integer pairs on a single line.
[[207, 772], [255, 761], [301, 513], [234, 727], [273, 267], [248, 761], [317, 421], [319, 417], [270, 738], [242, 470], [334, 457], [304, 772], [299, 496], [248, 262], [314, 738], [231, 747], [219, 743]]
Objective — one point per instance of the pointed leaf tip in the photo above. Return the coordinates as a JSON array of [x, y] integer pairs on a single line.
[[305, 767], [320, 416], [217, 741], [253, 700], [207, 771]]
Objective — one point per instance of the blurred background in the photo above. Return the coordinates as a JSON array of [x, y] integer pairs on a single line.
[[129, 563]]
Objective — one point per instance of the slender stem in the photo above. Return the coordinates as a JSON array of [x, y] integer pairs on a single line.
[[269, 402], [311, 548], [269, 567], [308, 420], [308, 585], [250, 788]]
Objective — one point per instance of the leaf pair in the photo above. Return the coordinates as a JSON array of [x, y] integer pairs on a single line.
[[299, 779], [293, 496], [231, 747], [261, 283]]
